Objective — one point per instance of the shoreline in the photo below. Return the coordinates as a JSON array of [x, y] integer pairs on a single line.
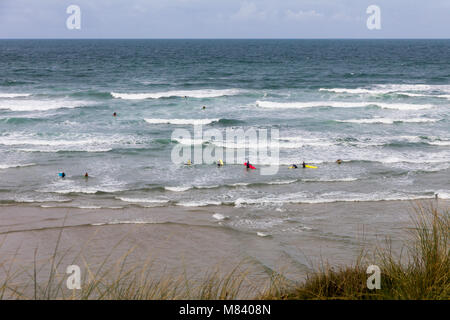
[[193, 241]]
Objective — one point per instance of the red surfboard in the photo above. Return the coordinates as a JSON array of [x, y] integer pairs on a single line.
[[251, 167]]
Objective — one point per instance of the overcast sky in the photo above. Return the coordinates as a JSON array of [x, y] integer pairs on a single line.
[[225, 19]]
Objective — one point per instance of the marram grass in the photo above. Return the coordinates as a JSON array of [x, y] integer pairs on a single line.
[[420, 272]]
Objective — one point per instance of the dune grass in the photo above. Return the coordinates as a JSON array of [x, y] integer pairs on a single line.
[[420, 271]]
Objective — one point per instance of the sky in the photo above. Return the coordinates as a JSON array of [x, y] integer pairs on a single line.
[[225, 19]]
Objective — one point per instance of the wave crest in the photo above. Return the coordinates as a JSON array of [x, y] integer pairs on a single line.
[[340, 104], [198, 94], [181, 121]]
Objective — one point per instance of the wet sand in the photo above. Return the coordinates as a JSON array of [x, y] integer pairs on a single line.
[[194, 241]]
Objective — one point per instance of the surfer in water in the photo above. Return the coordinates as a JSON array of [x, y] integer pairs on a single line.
[[294, 166], [62, 174], [338, 161], [86, 175], [204, 108], [304, 164]]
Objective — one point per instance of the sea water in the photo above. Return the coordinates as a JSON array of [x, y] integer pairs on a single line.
[[382, 106]]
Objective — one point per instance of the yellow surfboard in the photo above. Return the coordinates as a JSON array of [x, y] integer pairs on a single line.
[[311, 167]]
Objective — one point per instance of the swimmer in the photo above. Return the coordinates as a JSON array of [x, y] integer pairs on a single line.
[[338, 161]]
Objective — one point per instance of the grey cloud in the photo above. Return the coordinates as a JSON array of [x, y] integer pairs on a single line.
[[224, 19]]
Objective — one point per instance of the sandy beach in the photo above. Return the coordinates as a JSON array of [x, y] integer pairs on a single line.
[[192, 242]]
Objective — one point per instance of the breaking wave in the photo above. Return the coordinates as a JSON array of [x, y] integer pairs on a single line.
[[199, 94]]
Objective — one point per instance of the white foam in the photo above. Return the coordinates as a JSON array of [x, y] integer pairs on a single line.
[[26, 140], [412, 87], [440, 143], [61, 189], [142, 200], [331, 180], [199, 203], [81, 149], [257, 224], [36, 105], [40, 200], [345, 90], [239, 184], [7, 166], [393, 159], [270, 145], [443, 194], [409, 94], [391, 88], [402, 106], [340, 104], [199, 94], [262, 234], [219, 216], [306, 198], [178, 189], [123, 222], [372, 92], [14, 95], [279, 182], [208, 187], [301, 139], [76, 143], [303, 142], [389, 120], [181, 121]]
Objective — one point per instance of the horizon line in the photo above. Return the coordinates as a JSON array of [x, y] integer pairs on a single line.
[[112, 38]]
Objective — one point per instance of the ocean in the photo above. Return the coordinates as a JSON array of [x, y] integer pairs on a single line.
[[382, 106]]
